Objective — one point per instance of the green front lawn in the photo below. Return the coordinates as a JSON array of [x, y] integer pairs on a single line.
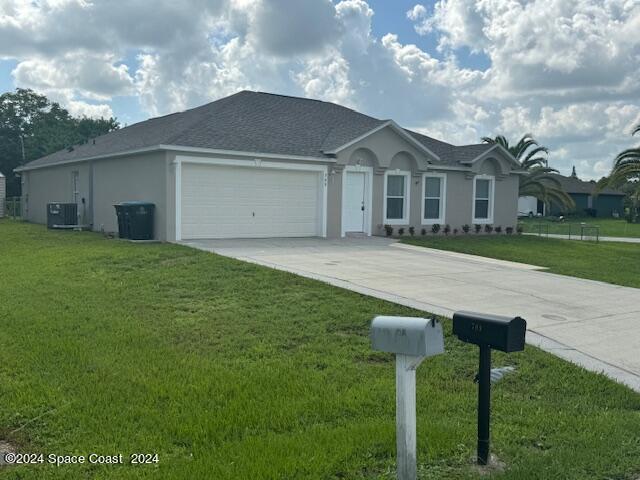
[[229, 370], [609, 227], [611, 262]]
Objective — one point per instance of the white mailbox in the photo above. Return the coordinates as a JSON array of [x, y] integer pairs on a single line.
[[407, 335], [412, 340]]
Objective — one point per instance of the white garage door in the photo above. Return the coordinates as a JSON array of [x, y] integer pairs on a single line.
[[243, 202]]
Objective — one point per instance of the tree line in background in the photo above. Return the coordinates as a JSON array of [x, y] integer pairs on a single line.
[[32, 126]]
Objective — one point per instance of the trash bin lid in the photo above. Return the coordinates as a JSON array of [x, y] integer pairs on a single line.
[[136, 204]]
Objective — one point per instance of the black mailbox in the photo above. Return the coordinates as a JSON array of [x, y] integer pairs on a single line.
[[502, 333], [488, 331]]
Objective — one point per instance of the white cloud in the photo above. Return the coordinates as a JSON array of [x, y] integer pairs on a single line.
[[96, 76], [587, 135], [420, 16], [418, 12], [84, 109], [566, 71], [291, 27], [595, 120], [546, 46], [600, 169], [382, 77], [470, 111], [327, 79], [73, 49], [462, 22], [354, 19]]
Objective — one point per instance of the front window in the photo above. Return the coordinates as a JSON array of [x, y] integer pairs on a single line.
[[483, 201], [434, 195], [396, 199]]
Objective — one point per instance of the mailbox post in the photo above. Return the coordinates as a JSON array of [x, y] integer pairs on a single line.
[[484, 404], [488, 331], [412, 340]]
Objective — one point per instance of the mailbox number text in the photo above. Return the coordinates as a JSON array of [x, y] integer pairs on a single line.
[[476, 327]]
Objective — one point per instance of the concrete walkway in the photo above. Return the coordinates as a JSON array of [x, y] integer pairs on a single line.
[[593, 324], [588, 238]]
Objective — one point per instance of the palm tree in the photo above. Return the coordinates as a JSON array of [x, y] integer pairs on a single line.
[[540, 181], [626, 168]]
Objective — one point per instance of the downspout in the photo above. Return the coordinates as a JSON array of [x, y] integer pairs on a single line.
[[24, 194], [178, 198], [91, 194]]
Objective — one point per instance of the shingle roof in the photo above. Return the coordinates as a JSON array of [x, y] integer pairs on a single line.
[[253, 122], [575, 185], [452, 154], [258, 122]]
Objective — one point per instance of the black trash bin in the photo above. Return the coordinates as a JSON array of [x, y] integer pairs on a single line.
[[135, 220], [123, 220]]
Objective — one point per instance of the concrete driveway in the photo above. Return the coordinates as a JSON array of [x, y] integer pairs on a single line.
[[594, 324]]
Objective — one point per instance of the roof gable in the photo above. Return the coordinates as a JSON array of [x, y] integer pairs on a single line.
[[396, 128], [477, 153]]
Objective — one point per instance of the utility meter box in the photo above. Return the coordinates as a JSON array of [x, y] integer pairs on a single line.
[[501, 333], [407, 335]]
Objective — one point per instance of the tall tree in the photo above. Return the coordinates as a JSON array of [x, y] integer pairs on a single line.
[[626, 172], [31, 126], [540, 181]]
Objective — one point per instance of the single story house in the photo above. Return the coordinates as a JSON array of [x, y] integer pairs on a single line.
[[608, 202], [263, 165]]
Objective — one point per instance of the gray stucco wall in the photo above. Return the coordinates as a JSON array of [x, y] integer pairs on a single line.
[[54, 184], [142, 177], [386, 151], [334, 203], [115, 180], [506, 209], [459, 204]]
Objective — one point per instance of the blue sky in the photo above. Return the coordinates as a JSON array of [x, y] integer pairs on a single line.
[[453, 69], [391, 17], [6, 81]]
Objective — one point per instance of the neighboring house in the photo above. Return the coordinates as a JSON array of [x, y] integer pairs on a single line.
[[608, 203], [3, 193], [264, 165]]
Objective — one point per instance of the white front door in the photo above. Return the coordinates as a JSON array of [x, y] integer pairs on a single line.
[[354, 206]]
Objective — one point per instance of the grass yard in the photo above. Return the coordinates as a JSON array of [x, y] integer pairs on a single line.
[[611, 262], [609, 227], [229, 370]]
